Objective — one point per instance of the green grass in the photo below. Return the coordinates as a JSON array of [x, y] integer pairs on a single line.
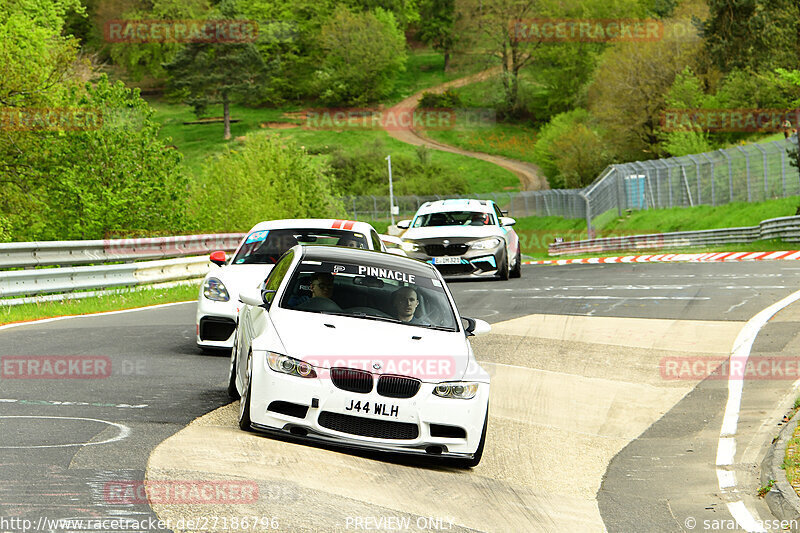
[[514, 141], [198, 141], [773, 245], [125, 299], [536, 233], [424, 69], [731, 215]]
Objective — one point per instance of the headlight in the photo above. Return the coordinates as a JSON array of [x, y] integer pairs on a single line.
[[410, 246], [289, 365], [457, 389], [214, 289], [486, 244]]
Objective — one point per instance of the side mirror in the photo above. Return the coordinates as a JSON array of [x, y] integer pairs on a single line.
[[251, 297], [475, 326], [218, 258], [404, 224], [507, 221]]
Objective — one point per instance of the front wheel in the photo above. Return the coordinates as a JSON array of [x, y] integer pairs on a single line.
[[233, 393], [244, 401], [516, 272], [502, 270]]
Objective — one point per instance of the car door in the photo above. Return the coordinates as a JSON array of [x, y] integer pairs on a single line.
[[255, 319]]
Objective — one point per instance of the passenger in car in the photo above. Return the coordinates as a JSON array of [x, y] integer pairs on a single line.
[[321, 287], [404, 302]]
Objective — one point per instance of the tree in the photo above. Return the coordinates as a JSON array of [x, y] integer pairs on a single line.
[[148, 59], [627, 99], [753, 34], [362, 55], [263, 180], [437, 26], [495, 27], [202, 74], [118, 177]]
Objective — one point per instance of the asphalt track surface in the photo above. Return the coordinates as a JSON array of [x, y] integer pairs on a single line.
[[64, 440]]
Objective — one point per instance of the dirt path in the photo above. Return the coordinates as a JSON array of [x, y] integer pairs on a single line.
[[529, 174]]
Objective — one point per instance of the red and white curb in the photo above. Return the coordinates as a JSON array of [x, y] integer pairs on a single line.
[[666, 258]]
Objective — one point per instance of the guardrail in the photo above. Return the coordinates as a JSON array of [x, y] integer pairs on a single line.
[[177, 260], [46, 253], [784, 228]]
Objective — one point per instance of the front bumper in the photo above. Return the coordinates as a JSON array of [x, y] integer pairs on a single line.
[[317, 410], [215, 323], [472, 263]]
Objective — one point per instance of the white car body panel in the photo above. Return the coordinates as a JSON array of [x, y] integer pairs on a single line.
[[238, 277], [325, 341]]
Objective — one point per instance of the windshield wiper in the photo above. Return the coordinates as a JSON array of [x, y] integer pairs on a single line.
[[360, 314], [431, 326]]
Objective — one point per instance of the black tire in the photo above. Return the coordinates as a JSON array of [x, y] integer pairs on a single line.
[[233, 393], [476, 458], [502, 271], [244, 401], [516, 272]]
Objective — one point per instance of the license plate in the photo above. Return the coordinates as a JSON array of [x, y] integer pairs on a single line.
[[446, 260], [372, 408]]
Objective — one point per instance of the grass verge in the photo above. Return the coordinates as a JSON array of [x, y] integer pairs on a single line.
[[791, 461], [124, 299]]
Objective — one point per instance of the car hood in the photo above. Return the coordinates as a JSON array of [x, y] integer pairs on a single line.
[[239, 277], [328, 341], [443, 232]]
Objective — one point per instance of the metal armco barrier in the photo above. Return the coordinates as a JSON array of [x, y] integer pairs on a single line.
[[784, 228], [45, 253], [54, 280], [183, 265]]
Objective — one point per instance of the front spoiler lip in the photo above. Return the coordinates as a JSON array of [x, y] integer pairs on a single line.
[[344, 442]]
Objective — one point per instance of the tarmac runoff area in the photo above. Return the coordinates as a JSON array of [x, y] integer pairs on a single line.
[[568, 393]]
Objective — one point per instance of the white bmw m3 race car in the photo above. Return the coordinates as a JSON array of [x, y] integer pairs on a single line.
[[363, 350], [218, 301]]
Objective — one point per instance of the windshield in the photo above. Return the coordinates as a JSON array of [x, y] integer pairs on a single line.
[[454, 218], [267, 246], [371, 293]]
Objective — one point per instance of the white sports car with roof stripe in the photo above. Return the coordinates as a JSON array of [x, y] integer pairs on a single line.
[[252, 261], [363, 350]]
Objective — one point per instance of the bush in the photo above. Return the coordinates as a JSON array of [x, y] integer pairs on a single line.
[[363, 52], [570, 151], [447, 99], [262, 180], [365, 172], [120, 176]]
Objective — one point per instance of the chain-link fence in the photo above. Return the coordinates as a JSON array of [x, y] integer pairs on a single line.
[[564, 203], [747, 173]]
